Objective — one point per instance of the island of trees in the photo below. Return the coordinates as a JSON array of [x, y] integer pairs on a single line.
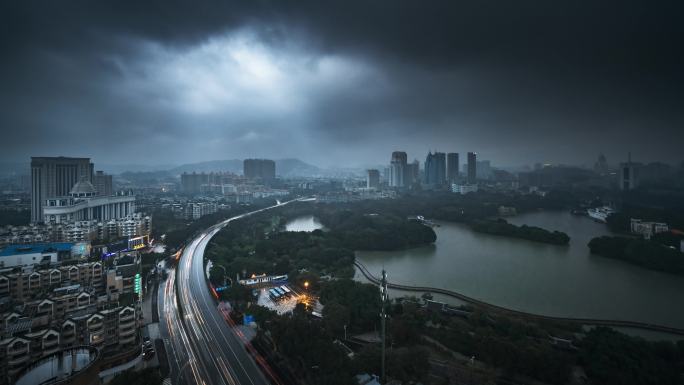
[[650, 254], [532, 233]]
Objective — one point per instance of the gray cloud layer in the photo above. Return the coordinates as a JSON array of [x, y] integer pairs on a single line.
[[173, 82]]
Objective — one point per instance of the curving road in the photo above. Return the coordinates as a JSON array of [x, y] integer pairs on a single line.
[[202, 348]]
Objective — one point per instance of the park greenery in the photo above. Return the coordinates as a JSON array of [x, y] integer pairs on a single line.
[[532, 233], [613, 358], [650, 254], [260, 246], [506, 348]]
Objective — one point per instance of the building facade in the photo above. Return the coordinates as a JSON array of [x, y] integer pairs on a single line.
[[472, 168], [452, 167], [435, 169], [53, 177], [372, 178], [259, 169], [397, 174], [83, 204], [103, 184]]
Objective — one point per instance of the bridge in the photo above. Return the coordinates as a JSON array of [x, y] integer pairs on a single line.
[[502, 310]]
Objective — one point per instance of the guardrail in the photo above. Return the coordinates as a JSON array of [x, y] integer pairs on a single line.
[[500, 309]]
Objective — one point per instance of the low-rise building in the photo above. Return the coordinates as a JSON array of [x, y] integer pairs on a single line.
[[463, 188], [647, 229], [133, 225]]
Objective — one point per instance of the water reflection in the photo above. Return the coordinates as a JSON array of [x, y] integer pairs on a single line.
[[536, 277]]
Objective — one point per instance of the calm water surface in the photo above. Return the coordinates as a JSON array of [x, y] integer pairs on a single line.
[[535, 277]]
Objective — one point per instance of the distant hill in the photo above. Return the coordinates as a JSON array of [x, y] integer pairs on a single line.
[[284, 167], [230, 165], [289, 167]]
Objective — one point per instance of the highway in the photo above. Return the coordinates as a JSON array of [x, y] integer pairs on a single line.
[[202, 348]]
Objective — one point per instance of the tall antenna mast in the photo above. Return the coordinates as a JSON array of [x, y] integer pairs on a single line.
[[383, 317]]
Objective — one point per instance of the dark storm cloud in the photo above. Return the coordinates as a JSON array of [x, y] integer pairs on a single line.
[[516, 81]]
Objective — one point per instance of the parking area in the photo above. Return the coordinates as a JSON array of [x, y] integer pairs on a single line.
[[281, 303]]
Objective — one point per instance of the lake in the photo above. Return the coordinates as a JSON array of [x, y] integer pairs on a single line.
[[534, 277]]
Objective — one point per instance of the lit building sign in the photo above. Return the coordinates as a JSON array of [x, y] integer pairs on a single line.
[[137, 285]]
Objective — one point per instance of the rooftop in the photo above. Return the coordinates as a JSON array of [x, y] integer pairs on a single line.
[[35, 248]]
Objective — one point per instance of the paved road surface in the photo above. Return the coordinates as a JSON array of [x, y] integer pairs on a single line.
[[202, 348]]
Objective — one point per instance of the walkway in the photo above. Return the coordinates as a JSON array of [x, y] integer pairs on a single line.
[[492, 307]]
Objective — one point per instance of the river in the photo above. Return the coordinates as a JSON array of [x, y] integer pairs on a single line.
[[564, 281]]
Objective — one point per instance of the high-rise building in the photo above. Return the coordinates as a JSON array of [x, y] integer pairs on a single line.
[[483, 169], [601, 165], [435, 168], [398, 169], [192, 183], [103, 183], [259, 168], [452, 167], [372, 178], [53, 177], [629, 174], [412, 174], [472, 168]]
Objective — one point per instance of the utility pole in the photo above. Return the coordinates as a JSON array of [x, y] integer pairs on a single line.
[[383, 317]]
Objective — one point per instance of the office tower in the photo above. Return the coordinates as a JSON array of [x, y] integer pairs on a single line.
[[483, 169], [398, 169], [103, 183], [629, 174], [372, 178], [53, 177], [412, 174], [452, 167], [192, 183], [259, 168], [601, 165], [435, 168], [472, 168]]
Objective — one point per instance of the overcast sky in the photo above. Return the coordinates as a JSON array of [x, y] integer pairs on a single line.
[[342, 83]]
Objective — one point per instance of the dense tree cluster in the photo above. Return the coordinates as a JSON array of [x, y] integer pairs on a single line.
[[258, 246], [356, 303], [517, 347], [613, 358], [645, 253], [532, 233], [15, 217]]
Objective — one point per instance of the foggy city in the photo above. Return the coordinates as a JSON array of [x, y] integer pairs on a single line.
[[364, 193]]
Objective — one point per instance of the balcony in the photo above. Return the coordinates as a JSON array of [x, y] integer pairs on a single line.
[[126, 332], [17, 360], [126, 340]]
